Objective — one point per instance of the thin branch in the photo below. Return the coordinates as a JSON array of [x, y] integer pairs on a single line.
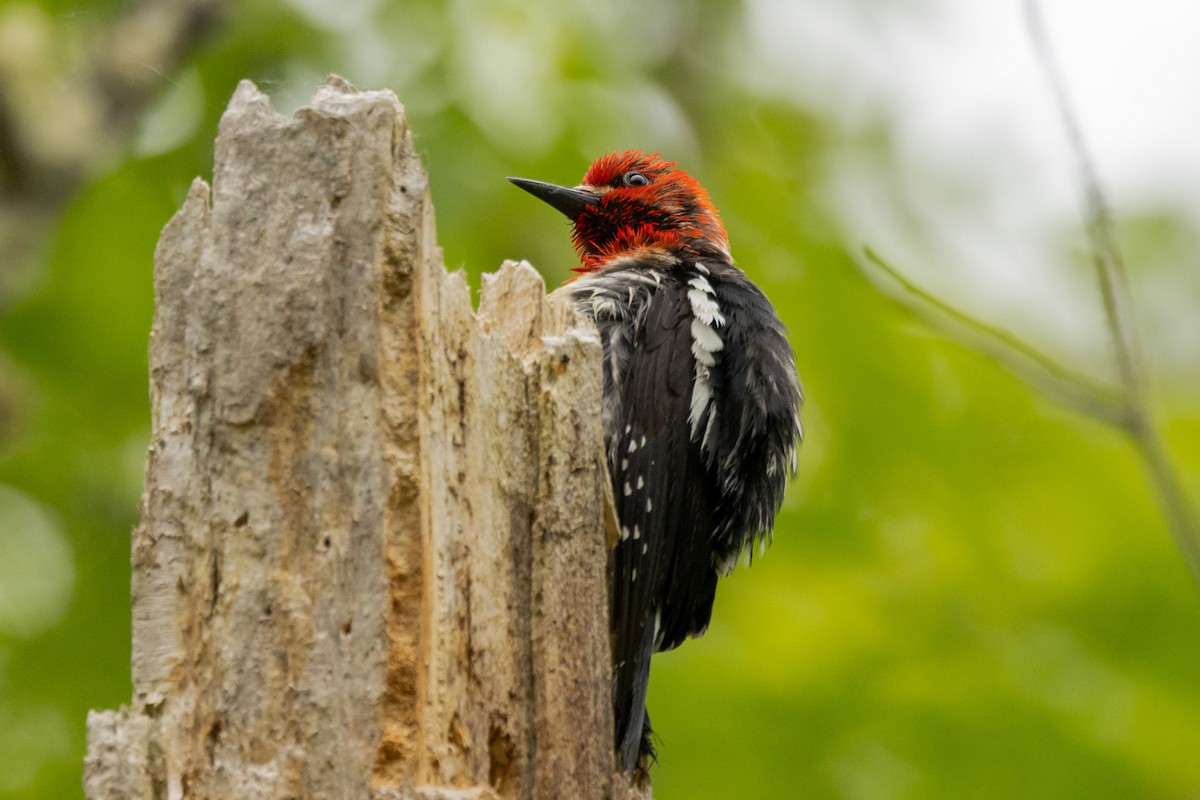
[[1181, 514], [1127, 408], [1065, 387], [1110, 266], [1061, 385]]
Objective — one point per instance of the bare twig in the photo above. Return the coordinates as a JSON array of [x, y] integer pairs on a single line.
[[1070, 389], [1110, 266], [1181, 515], [1128, 407]]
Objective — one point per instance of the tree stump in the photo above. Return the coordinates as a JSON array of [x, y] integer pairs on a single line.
[[373, 541]]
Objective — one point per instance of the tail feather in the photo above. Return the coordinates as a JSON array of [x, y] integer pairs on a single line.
[[631, 680]]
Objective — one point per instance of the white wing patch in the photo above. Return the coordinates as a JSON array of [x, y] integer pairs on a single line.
[[706, 341], [701, 395], [704, 302]]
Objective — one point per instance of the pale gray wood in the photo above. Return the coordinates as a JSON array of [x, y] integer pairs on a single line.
[[372, 552]]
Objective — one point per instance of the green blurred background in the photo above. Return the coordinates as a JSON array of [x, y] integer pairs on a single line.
[[971, 593]]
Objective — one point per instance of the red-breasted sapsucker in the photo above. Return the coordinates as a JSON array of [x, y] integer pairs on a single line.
[[701, 406]]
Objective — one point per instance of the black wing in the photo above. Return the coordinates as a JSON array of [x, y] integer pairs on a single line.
[[758, 425], [663, 580]]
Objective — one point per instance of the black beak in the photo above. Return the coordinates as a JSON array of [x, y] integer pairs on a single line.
[[568, 200]]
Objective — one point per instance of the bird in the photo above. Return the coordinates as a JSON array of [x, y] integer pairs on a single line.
[[700, 407]]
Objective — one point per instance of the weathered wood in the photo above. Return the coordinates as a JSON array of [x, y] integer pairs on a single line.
[[371, 559]]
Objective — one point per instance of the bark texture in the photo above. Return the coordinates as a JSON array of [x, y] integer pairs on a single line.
[[371, 559]]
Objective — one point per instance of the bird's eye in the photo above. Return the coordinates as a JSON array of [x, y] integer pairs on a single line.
[[635, 179]]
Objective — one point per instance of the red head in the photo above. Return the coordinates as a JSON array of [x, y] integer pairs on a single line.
[[631, 203]]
